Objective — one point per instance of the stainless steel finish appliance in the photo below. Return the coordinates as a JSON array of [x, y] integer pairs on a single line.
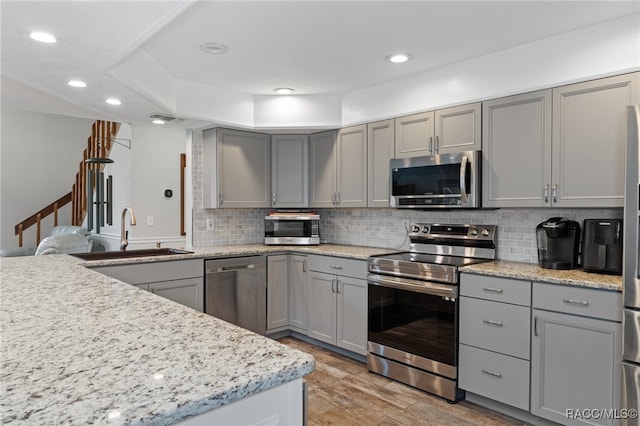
[[602, 246], [413, 309], [236, 291], [292, 228], [631, 269], [558, 243], [436, 181]]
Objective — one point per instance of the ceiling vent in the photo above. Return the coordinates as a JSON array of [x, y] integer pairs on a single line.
[[164, 117]]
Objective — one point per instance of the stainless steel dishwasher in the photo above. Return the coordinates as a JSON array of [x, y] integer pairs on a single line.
[[236, 291]]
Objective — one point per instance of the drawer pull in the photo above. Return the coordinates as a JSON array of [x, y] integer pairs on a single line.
[[576, 302], [335, 266], [491, 373], [490, 322], [492, 289]]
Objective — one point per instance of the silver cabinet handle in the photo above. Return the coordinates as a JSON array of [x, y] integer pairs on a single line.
[[338, 286], [492, 289], [491, 373], [304, 265], [437, 144], [335, 266], [431, 145], [338, 198], [546, 193], [576, 302], [490, 322], [535, 326], [333, 286], [273, 201], [220, 199], [554, 192], [334, 198]]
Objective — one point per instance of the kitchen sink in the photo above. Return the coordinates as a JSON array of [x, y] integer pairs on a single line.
[[120, 254]]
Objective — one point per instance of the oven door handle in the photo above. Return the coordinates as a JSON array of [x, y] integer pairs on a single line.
[[425, 287], [463, 179]]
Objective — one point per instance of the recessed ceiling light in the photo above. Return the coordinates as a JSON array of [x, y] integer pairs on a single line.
[[214, 48], [42, 37], [398, 58], [113, 101], [284, 91], [76, 83], [158, 121]]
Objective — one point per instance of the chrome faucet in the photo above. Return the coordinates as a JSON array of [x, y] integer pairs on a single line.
[[124, 234]]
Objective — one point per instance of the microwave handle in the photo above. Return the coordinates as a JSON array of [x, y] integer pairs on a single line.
[[463, 181]]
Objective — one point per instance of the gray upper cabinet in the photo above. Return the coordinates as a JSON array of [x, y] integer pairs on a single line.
[[443, 131], [380, 149], [458, 129], [516, 151], [589, 136], [338, 168], [290, 171], [237, 169], [414, 135]]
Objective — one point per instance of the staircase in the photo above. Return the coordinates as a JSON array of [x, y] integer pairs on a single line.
[[99, 145]]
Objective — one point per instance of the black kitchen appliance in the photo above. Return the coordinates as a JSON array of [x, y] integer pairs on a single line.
[[602, 246], [558, 242]]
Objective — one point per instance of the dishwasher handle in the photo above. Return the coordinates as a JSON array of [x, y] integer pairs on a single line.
[[214, 270]]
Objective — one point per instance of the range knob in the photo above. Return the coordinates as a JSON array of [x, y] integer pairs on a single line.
[[486, 232], [425, 229], [474, 232], [415, 228]]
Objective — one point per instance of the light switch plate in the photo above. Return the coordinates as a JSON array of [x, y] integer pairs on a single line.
[[210, 224], [150, 220]]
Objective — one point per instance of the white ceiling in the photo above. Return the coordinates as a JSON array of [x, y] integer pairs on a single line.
[[315, 47]]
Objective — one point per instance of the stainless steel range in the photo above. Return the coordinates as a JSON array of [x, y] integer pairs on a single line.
[[413, 308]]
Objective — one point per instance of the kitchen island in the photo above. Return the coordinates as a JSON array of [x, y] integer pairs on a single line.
[[81, 348]]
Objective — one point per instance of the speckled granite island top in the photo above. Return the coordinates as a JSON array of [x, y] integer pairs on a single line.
[[81, 348], [533, 272]]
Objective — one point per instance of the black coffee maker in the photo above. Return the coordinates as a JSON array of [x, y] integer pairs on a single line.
[[558, 243]]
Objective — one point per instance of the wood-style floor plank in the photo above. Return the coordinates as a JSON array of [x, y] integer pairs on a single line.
[[342, 392]]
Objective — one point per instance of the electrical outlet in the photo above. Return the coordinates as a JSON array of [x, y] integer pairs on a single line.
[[150, 220], [210, 224]]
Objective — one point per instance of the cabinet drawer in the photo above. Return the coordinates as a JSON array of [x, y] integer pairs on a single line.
[[588, 302], [138, 273], [495, 326], [495, 376], [505, 290], [339, 266]]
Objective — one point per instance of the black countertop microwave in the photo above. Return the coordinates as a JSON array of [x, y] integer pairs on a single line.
[[436, 181]]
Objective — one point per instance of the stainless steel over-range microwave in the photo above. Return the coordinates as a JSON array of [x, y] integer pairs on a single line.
[[292, 228], [436, 181]]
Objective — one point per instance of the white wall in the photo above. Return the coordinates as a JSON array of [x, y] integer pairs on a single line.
[[39, 158]]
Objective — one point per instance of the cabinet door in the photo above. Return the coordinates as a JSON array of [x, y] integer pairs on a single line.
[[352, 314], [321, 307], [458, 129], [244, 169], [298, 283], [380, 147], [188, 292], [322, 169], [290, 171], [575, 364], [277, 291], [352, 167], [414, 135], [516, 151], [589, 137]]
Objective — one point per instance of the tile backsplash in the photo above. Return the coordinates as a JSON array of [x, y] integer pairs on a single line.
[[379, 227]]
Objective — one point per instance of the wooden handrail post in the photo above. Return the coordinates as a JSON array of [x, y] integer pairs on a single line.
[[20, 235], [55, 214], [38, 226]]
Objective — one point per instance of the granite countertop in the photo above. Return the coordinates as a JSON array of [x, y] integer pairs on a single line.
[[81, 348], [533, 272]]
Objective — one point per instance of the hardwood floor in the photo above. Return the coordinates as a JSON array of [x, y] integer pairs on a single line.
[[342, 392]]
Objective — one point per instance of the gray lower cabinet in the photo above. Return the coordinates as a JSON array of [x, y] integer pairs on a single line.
[[287, 284], [494, 338], [337, 302], [179, 280], [575, 353]]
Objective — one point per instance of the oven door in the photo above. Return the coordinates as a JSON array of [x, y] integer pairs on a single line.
[[413, 322]]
